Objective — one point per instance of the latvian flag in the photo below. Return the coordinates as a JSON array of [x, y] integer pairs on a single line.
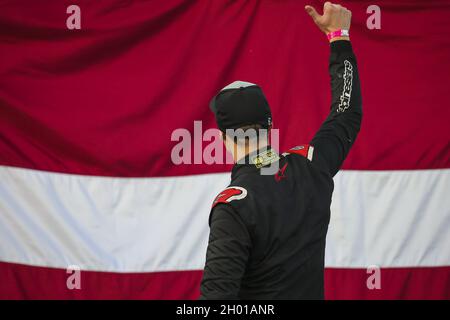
[[91, 93]]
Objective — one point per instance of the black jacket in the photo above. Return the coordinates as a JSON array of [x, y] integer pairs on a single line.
[[267, 237]]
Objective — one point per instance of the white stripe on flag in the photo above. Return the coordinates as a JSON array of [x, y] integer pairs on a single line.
[[387, 218]]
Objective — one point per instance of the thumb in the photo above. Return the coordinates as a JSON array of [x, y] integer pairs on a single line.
[[312, 12]]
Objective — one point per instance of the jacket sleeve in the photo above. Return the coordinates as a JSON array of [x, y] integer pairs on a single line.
[[227, 255], [337, 134]]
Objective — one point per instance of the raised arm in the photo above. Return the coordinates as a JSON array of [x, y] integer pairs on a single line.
[[337, 134]]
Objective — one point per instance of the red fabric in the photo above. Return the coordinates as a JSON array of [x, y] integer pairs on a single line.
[[29, 282], [50, 283], [105, 99], [396, 283]]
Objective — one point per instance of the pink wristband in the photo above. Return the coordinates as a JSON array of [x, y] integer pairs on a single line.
[[338, 33]]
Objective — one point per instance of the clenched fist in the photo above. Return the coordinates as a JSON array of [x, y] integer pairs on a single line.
[[334, 17]]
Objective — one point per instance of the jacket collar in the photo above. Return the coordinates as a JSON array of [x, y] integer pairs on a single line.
[[254, 161]]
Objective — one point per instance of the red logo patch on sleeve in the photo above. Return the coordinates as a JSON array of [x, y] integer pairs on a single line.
[[230, 194], [304, 150]]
